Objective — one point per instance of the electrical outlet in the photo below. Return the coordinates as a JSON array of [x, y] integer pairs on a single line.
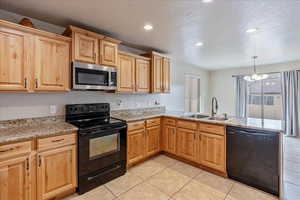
[[53, 109]]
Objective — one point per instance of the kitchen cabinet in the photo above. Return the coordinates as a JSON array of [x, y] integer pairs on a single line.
[[143, 140], [126, 73], [33, 60], [152, 140], [157, 74], [90, 47], [160, 73], [108, 53], [14, 63], [14, 178], [86, 48], [142, 70], [169, 139], [52, 64], [135, 146], [133, 73], [57, 166], [166, 76], [212, 153], [186, 143], [56, 171]]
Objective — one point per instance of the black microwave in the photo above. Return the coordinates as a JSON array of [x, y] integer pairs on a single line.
[[93, 77]]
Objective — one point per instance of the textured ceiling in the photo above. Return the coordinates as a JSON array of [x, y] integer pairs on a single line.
[[179, 24]]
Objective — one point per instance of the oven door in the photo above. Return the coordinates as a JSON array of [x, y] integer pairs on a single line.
[[101, 149], [91, 77]]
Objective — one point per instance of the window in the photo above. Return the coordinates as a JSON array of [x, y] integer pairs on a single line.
[[264, 98], [192, 93]]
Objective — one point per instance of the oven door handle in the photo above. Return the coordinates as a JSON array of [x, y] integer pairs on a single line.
[[110, 130]]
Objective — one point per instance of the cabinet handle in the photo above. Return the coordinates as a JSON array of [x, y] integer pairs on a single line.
[[6, 150], [25, 83], [94, 56], [36, 83], [200, 137], [27, 164], [59, 140], [40, 161]]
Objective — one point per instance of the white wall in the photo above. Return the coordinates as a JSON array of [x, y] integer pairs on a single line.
[[222, 83], [175, 100], [13, 106]]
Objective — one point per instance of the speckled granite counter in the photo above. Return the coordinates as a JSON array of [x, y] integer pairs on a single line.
[[26, 129], [271, 125]]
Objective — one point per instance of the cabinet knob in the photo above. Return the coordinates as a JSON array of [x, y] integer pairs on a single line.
[[36, 83]]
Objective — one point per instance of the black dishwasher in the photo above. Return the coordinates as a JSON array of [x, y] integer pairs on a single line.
[[253, 158]]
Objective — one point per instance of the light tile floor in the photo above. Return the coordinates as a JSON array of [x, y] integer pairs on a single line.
[[163, 178]]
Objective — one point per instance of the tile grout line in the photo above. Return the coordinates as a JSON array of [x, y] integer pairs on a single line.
[[110, 191]]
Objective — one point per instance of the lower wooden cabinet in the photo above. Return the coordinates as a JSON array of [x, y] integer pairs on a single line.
[[43, 173], [212, 151], [56, 172], [169, 139], [135, 146], [152, 140], [14, 179], [186, 143]]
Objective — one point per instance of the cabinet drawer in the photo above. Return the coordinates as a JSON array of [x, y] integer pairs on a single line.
[[12, 150], [212, 128], [187, 124], [170, 121], [136, 125], [56, 141], [153, 122]]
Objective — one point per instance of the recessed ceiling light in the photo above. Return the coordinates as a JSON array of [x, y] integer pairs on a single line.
[[207, 1], [199, 44], [251, 30], [148, 27]]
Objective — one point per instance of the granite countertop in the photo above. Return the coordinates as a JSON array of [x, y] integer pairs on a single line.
[[26, 131], [271, 125]]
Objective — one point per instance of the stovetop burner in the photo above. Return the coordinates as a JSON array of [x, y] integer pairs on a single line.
[[94, 123]]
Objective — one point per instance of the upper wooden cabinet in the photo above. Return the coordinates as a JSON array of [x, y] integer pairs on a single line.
[[51, 64], [160, 73], [33, 60], [142, 72], [108, 53], [92, 47], [14, 64], [133, 73], [85, 48], [126, 73]]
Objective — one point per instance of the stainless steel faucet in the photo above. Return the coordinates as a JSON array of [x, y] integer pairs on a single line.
[[214, 107]]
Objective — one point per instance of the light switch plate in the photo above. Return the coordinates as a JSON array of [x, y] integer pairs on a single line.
[[53, 109]]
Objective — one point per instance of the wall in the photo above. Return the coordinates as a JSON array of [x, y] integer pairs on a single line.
[[175, 100], [14, 106], [222, 84]]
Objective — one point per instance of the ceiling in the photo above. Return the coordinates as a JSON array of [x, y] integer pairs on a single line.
[[179, 24]]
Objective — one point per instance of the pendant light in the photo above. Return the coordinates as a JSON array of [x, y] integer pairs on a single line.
[[255, 76]]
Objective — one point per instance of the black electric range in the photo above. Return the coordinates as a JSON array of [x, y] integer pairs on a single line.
[[102, 144]]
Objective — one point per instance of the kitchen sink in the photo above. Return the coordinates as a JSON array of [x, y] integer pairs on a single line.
[[198, 116]]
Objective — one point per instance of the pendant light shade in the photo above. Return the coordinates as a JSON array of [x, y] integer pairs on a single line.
[[255, 76]]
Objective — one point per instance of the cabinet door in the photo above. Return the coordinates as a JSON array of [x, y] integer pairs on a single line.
[[14, 179], [14, 58], [56, 172], [213, 151], [135, 146], [142, 68], [166, 75], [157, 74], [109, 53], [86, 48], [126, 73], [152, 140], [169, 139], [186, 143], [52, 64]]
